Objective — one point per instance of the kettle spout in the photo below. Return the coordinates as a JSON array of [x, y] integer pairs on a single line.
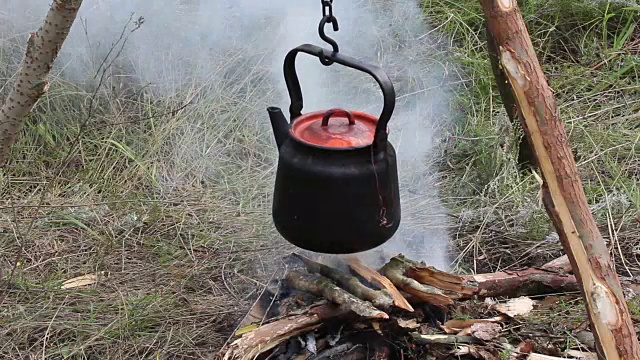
[[279, 125]]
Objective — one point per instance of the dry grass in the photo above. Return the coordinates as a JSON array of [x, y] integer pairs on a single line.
[[589, 53], [110, 183], [173, 280]]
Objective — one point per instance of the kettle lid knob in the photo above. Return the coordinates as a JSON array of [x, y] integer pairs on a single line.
[[335, 128]]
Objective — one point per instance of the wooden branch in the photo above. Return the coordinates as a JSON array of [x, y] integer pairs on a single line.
[[563, 193], [268, 336], [395, 270], [321, 286], [454, 286], [374, 277], [31, 82], [525, 154], [380, 299], [527, 282]]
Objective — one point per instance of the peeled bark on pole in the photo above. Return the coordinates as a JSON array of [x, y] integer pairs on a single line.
[[525, 155], [31, 82], [564, 196]]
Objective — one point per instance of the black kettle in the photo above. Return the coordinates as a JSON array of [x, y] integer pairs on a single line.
[[336, 187]]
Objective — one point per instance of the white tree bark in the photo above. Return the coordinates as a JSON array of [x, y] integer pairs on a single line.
[[31, 82]]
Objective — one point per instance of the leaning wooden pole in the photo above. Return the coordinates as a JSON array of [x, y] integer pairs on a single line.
[[563, 192], [31, 81]]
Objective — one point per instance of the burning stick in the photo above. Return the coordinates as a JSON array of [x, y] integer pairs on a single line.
[[322, 286], [395, 270], [378, 279], [380, 299]]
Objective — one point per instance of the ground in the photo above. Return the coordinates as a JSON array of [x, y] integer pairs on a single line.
[[179, 265]]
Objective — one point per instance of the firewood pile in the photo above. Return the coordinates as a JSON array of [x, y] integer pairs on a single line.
[[401, 311]]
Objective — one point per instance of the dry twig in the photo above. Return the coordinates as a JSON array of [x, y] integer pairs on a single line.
[[380, 299], [321, 286]]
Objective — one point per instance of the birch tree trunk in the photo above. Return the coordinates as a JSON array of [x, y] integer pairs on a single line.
[[564, 197], [31, 82]]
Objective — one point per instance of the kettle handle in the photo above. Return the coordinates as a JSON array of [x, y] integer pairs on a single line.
[[329, 57], [329, 113]]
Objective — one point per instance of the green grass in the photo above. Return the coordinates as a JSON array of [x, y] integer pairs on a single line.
[[112, 183], [590, 55]]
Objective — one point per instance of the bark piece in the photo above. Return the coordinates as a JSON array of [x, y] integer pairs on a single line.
[[560, 264], [268, 336], [444, 339], [31, 81], [458, 325], [380, 299], [581, 355], [374, 277], [395, 270], [322, 286], [563, 193], [475, 351], [485, 331], [521, 306], [534, 356], [525, 154], [408, 324]]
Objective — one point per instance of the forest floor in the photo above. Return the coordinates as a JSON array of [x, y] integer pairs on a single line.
[[174, 268]]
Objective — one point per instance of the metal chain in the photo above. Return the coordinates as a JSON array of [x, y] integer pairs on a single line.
[[327, 9], [328, 18]]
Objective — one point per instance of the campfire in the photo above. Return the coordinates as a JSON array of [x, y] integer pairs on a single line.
[[402, 310]]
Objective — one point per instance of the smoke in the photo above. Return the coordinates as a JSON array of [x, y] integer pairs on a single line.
[[207, 42]]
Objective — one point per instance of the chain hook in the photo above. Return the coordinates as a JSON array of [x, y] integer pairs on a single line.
[[328, 18]]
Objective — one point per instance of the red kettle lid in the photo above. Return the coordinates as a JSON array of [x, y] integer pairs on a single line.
[[335, 128]]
